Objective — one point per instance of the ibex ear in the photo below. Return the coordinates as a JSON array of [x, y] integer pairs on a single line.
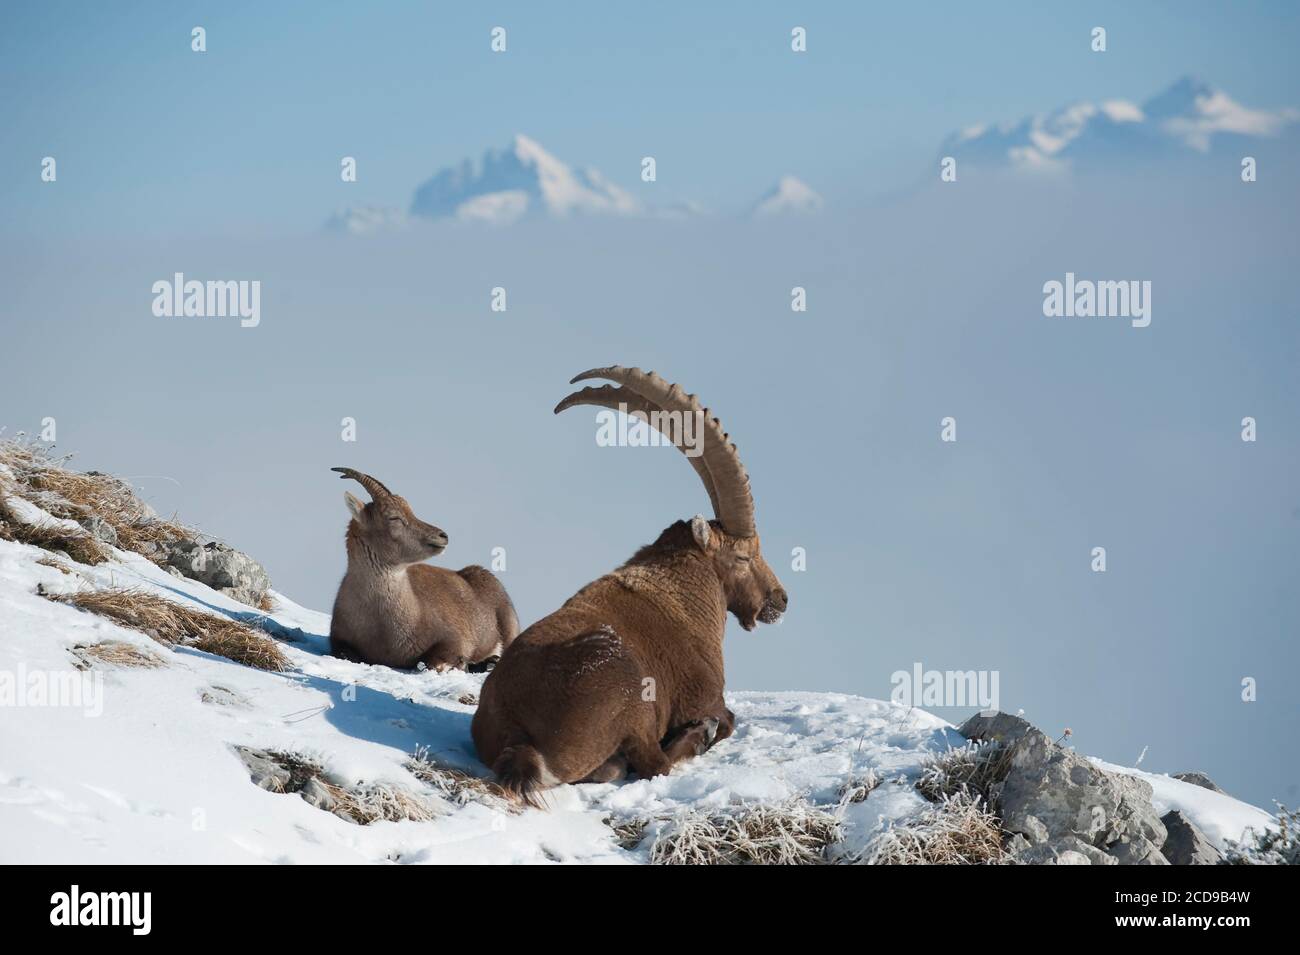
[[354, 505], [701, 531]]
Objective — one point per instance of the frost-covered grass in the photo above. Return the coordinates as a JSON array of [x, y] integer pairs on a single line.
[[791, 832], [957, 830], [30, 472], [858, 787], [970, 770], [456, 785], [116, 653], [363, 803], [1279, 846]]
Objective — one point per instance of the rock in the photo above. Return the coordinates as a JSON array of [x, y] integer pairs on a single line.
[[997, 727], [100, 529], [220, 567], [1136, 851], [1060, 802], [1069, 850], [317, 795], [265, 772], [1199, 779], [1186, 844]]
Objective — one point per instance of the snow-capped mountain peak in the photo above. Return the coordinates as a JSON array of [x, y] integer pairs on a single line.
[[1185, 118], [790, 196], [523, 179], [1194, 111]]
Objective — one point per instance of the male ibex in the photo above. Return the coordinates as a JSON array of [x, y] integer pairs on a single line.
[[394, 610], [629, 671]]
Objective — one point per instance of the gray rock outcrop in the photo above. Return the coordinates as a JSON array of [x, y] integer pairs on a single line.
[[1186, 844], [220, 567], [1064, 808], [1199, 779], [264, 770]]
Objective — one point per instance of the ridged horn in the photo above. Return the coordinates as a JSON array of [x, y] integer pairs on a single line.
[[623, 399], [727, 482], [376, 489]]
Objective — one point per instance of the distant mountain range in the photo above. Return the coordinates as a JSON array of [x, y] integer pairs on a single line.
[[1189, 119], [525, 181]]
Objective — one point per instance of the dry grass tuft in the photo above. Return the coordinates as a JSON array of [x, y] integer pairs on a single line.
[[456, 785], [629, 833], [172, 624], [793, 832], [46, 482], [363, 804], [378, 802], [974, 770], [58, 565], [116, 653], [959, 830], [76, 543], [302, 769], [240, 643], [857, 788]]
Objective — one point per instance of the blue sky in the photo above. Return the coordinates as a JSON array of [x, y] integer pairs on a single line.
[[245, 139]]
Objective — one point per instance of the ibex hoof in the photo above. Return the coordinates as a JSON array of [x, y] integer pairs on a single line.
[[711, 729]]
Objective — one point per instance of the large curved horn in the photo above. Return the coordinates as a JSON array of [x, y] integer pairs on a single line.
[[624, 399], [733, 503], [376, 489]]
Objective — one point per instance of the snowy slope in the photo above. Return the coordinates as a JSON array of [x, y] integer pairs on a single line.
[[153, 778]]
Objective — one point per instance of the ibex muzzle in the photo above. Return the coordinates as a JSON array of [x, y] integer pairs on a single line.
[[629, 672]]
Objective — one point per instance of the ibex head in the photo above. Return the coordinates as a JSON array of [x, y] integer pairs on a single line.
[[387, 527], [753, 592]]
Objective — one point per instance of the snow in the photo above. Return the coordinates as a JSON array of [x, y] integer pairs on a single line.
[[521, 179], [1186, 116], [790, 196], [1218, 815], [152, 777], [366, 220]]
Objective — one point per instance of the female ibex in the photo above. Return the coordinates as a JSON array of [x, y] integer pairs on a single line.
[[629, 671], [393, 610]]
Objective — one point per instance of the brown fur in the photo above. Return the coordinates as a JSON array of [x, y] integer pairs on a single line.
[[394, 610], [570, 701]]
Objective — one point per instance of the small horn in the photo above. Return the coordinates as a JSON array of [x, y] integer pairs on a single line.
[[376, 489]]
